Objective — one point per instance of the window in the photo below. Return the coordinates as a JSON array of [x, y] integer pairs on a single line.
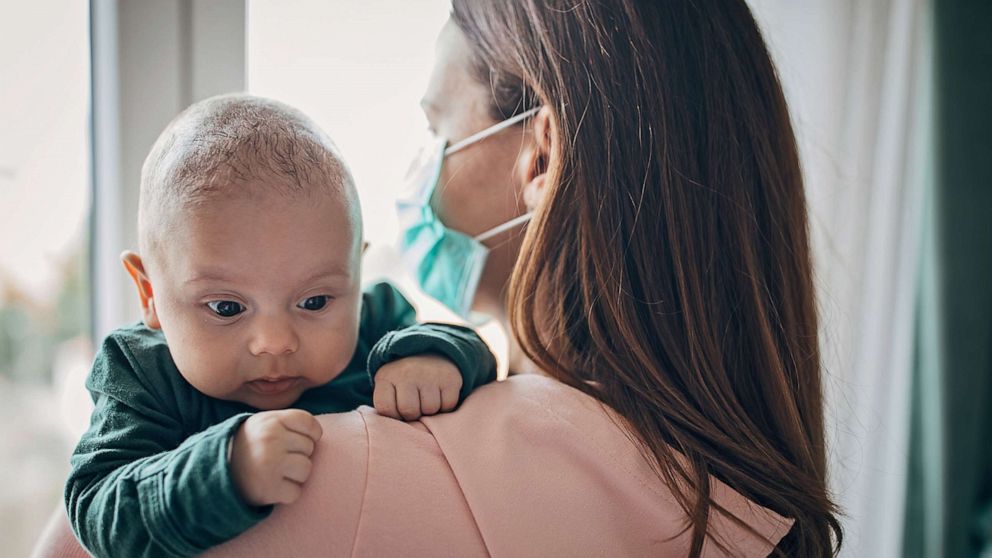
[[44, 287]]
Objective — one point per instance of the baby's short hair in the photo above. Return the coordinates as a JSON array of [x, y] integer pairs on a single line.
[[239, 145]]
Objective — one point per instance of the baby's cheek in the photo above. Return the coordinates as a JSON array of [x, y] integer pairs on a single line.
[[344, 348], [207, 370], [341, 348]]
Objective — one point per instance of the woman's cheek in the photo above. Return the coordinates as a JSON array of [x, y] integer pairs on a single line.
[[453, 202]]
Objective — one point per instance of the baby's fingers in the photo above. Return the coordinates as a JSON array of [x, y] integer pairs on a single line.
[[287, 492], [408, 401], [449, 397], [297, 468], [384, 400], [299, 443], [301, 422], [430, 400]]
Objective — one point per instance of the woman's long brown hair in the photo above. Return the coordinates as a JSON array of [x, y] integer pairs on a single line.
[[667, 272]]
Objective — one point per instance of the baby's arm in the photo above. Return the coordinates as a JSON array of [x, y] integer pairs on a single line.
[[132, 493], [419, 369], [138, 486]]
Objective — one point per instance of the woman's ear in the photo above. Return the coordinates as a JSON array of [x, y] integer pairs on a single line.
[[136, 269], [536, 159]]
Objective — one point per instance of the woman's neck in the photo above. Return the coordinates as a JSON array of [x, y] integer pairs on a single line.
[[517, 360]]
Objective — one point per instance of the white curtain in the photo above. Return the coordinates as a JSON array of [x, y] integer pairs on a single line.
[[856, 75]]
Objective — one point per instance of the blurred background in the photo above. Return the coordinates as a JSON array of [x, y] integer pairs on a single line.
[[890, 101]]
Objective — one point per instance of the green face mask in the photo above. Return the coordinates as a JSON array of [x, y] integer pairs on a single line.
[[446, 263]]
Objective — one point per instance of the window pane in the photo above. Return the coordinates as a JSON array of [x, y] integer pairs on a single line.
[[44, 203], [359, 69]]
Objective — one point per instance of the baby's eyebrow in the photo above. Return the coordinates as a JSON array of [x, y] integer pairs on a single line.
[[207, 276], [331, 273], [330, 270]]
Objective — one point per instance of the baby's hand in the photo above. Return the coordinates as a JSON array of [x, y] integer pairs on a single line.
[[416, 386], [270, 458]]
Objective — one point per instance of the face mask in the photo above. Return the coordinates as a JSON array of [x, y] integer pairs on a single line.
[[446, 263]]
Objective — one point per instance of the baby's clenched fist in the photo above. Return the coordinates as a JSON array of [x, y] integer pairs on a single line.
[[416, 386], [270, 456]]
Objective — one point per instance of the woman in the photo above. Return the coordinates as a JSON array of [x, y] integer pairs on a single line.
[[667, 270], [662, 291]]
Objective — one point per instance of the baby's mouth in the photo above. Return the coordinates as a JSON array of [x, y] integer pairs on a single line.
[[273, 386]]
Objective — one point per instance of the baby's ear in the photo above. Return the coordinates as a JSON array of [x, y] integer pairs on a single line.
[[136, 269]]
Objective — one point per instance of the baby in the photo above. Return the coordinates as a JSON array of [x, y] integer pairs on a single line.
[[254, 320]]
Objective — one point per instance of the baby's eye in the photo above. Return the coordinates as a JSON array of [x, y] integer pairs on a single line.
[[314, 303], [226, 308]]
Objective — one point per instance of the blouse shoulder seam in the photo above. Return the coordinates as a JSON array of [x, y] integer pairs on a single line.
[[365, 484]]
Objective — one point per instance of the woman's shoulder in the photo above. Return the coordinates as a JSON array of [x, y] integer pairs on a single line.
[[525, 467], [378, 487], [557, 467]]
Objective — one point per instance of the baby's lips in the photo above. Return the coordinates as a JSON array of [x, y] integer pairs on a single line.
[[273, 385]]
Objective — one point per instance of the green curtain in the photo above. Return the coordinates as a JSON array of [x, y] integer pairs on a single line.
[[949, 498]]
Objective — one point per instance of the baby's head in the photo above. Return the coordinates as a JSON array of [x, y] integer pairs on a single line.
[[250, 244]]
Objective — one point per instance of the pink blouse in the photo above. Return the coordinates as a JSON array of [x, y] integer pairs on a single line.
[[526, 467]]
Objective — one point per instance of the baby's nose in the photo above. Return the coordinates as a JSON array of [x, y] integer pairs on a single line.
[[273, 337]]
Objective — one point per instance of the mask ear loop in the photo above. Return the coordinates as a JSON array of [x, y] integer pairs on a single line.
[[504, 227], [478, 136]]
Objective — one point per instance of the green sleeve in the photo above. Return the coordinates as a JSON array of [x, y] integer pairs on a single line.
[[384, 309], [137, 487]]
